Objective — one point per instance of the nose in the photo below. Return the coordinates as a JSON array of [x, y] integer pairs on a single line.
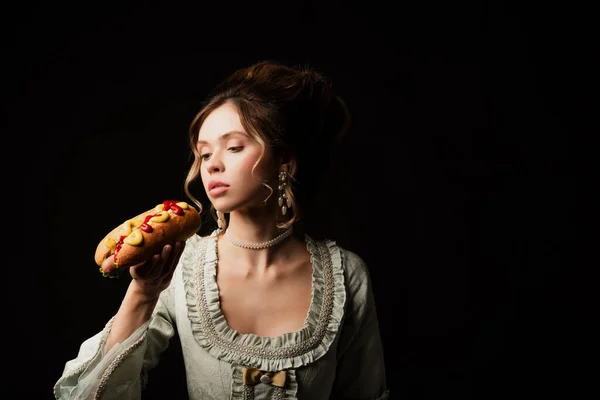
[[214, 164]]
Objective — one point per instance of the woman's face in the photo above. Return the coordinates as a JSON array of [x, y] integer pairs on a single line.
[[228, 158]]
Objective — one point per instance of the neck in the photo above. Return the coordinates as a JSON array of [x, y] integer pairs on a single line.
[[244, 229], [260, 245], [252, 259], [253, 227]]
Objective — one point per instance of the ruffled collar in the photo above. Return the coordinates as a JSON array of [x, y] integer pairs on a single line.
[[290, 350]]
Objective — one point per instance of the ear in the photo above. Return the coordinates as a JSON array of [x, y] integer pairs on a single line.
[[286, 163], [288, 166]]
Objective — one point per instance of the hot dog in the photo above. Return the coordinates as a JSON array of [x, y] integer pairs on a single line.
[[138, 239]]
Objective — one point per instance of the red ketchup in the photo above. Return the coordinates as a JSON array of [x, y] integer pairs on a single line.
[[172, 205], [119, 245], [146, 227]]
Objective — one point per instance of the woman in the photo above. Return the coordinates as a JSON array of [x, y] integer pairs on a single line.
[[261, 308]]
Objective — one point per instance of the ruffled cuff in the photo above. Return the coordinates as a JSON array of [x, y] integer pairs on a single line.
[[91, 375], [109, 362], [91, 353]]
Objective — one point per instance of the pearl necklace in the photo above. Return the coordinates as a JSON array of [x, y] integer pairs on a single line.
[[258, 246]]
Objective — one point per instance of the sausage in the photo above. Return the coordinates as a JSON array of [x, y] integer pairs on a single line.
[[138, 239]]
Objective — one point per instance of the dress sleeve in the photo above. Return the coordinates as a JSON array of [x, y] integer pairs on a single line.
[[361, 368], [120, 373]]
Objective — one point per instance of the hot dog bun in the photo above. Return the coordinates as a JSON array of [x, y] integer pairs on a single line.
[[138, 239]]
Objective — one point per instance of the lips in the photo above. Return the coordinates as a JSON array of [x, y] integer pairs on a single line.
[[216, 184], [216, 188]]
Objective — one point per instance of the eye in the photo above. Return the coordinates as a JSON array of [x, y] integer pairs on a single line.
[[205, 156], [235, 149]]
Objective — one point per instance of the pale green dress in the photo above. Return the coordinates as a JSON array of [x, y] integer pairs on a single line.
[[337, 354]]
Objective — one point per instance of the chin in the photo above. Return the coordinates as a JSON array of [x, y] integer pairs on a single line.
[[224, 206], [232, 202]]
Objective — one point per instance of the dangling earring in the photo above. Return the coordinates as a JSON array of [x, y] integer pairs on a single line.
[[283, 201], [220, 220]]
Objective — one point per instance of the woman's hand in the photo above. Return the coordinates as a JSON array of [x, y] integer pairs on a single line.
[[151, 277]]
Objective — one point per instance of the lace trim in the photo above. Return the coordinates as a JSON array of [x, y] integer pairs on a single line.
[[83, 366], [115, 363], [289, 350]]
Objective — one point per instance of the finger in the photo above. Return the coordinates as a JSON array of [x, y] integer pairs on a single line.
[[166, 252], [156, 269], [175, 256], [160, 266], [163, 272], [108, 265], [142, 270], [179, 251], [163, 261]]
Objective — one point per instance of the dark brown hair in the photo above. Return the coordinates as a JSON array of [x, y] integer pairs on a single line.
[[292, 110]]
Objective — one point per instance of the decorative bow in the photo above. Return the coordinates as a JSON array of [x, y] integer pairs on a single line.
[[253, 376]]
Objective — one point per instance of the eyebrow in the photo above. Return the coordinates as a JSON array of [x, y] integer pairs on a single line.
[[224, 136]]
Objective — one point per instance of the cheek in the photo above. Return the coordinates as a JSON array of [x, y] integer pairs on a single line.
[[203, 173], [264, 170], [248, 163]]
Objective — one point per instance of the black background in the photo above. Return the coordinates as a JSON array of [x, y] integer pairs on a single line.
[[462, 181]]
